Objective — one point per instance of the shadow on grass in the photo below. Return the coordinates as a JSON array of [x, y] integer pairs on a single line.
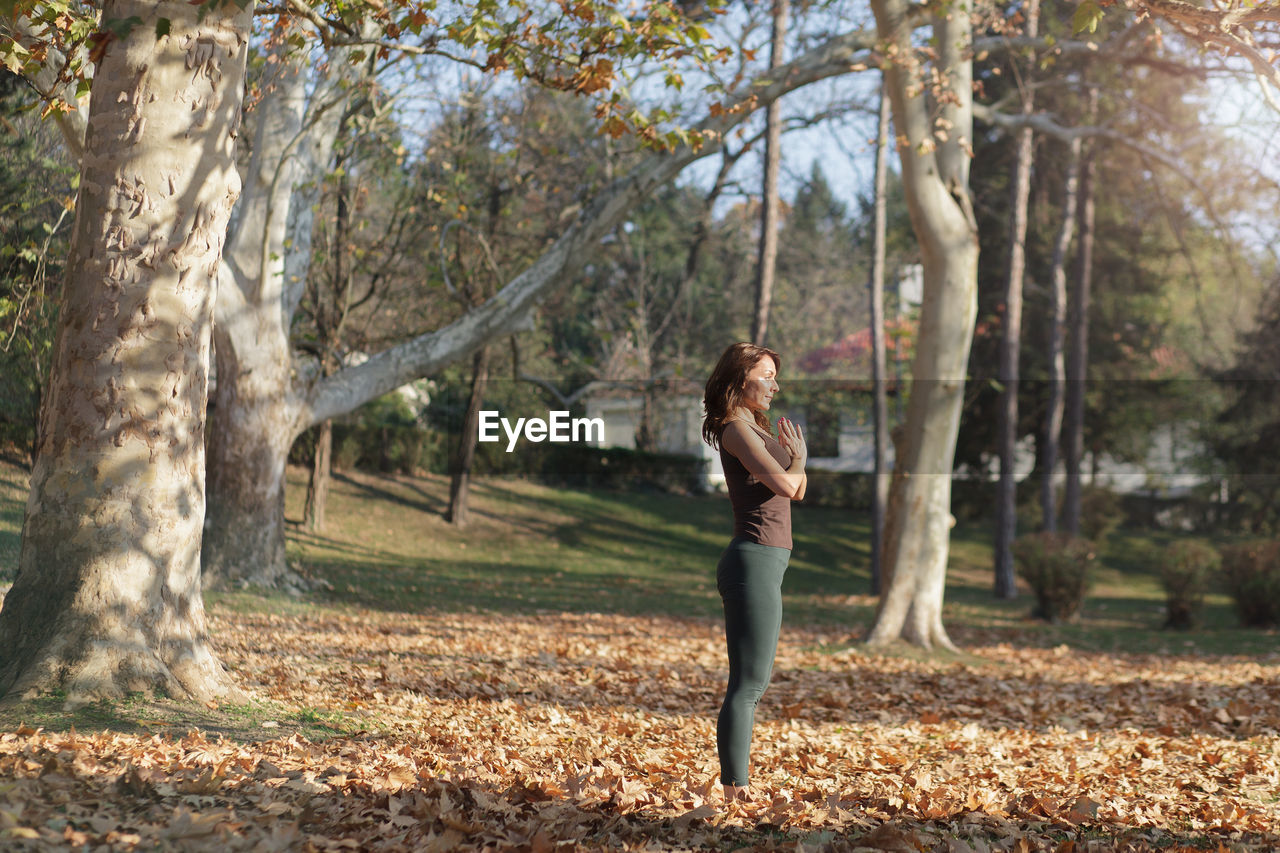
[[591, 551], [378, 489], [139, 714], [533, 548]]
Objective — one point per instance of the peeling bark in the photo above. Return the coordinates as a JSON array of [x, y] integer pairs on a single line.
[[108, 596], [252, 422]]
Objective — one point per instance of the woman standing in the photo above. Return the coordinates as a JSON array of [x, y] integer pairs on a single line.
[[764, 474]]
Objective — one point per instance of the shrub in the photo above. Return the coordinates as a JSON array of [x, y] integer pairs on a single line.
[[1251, 571], [1101, 512], [580, 465], [846, 489], [383, 435], [1185, 570], [1057, 567]]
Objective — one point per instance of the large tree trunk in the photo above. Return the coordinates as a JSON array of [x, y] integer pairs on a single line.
[[254, 421], [1057, 327], [879, 402], [257, 401], [767, 253], [1078, 362], [107, 599], [252, 425], [936, 181], [242, 494], [1006, 583]]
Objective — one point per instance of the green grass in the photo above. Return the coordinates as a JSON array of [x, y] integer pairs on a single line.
[[531, 547], [138, 713], [534, 548]]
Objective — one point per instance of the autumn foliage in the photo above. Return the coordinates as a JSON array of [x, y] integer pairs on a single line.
[[552, 731]]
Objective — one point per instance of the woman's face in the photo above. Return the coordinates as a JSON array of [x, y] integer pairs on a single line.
[[761, 385]]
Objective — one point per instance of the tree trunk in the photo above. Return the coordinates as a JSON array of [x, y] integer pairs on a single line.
[[935, 178], [1057, 325], [329, 327], [460, 484], [254, 419], [1078, 362], [318, 485], [252, 425], [107, 599], [879, 403], [767, 254], [1006, 583]]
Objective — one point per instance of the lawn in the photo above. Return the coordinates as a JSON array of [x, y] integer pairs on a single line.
[[547, 678]]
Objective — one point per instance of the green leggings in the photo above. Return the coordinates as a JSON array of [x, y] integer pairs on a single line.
[[749, 577]]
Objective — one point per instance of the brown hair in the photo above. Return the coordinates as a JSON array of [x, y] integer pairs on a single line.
[[723, 394]]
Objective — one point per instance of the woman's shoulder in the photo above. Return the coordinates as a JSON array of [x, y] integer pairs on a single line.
[[741, 429]]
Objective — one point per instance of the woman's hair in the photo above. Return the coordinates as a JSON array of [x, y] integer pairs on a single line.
[[724, 389]]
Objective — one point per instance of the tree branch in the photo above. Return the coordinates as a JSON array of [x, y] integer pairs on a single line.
[[48, 84], [512, 307]]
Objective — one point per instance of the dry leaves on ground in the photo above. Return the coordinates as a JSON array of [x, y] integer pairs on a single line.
[[558, 732]]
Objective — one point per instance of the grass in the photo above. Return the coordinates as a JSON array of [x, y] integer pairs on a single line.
[[533, 548], [141, 714]]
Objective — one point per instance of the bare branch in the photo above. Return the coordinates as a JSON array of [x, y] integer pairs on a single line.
[[511, 307], [444, 260]]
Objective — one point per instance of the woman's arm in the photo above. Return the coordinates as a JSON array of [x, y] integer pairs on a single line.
[[747, 445], [804, 481], [792, 439]]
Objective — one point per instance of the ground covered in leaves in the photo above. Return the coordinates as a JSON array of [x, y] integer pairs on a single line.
[[547, 679], [550, 731]]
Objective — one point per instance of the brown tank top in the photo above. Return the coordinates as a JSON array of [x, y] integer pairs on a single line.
[[759, 514]]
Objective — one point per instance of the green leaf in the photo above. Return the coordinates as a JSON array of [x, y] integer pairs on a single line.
[[162, 27], [12, 62], [1087, 16]]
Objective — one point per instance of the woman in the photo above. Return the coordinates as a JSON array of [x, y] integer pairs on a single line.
[[764, 474]]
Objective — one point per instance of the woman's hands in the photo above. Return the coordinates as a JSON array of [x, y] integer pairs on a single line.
[[745, 442], [791, 437]]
